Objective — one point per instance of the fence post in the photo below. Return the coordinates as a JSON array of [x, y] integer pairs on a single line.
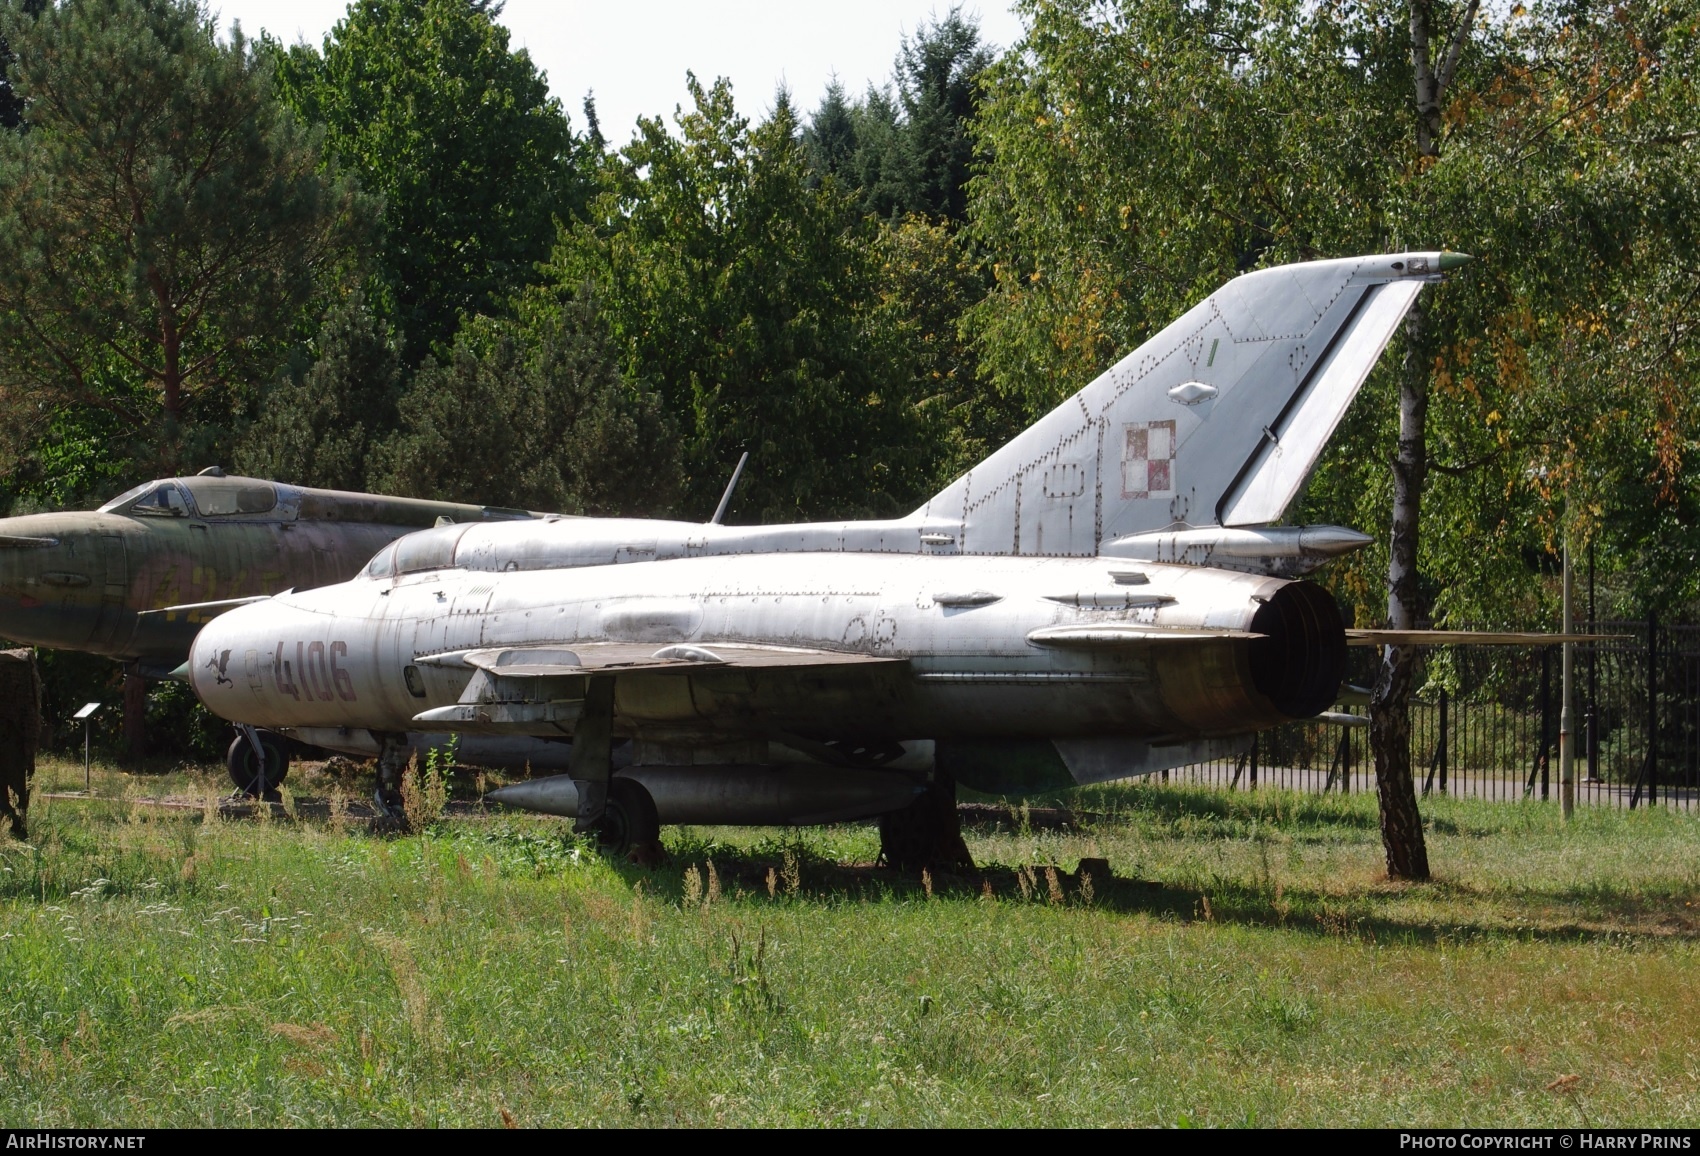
[[1253, 762], [1346, 765], [1539, 766], [1652, 708], [1546, 720], [1566, 717], [1593, 722], [1437, 761], [1445, 754], [1649, 775]]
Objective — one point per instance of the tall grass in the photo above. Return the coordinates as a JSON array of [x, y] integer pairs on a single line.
[[1246, 963]]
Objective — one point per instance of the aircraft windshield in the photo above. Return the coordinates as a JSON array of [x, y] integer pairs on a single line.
[[222, 497], [128, 495], [157, 499], [383, 564]]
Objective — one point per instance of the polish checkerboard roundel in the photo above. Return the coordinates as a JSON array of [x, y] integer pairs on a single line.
[[1148, 460]]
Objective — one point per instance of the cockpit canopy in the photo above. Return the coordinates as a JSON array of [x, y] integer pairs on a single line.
[[206, 497], [422, 550]]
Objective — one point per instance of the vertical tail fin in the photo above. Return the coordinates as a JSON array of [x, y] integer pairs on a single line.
[[1217, 419]]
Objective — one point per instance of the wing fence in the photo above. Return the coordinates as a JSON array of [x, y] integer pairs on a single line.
[[1485, 724]]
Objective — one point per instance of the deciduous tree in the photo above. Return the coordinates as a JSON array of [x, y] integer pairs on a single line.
[[1141, 152], [747, 293], [474, 158], [536, 414]]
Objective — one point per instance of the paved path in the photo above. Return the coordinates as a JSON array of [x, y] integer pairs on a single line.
[[1469, 784]]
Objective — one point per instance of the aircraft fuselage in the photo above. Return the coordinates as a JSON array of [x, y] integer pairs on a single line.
[[978, 648]]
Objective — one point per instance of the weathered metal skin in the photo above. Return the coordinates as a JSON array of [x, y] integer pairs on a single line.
[[88, 580], [1104, 596], [754, 795], [340, 657]]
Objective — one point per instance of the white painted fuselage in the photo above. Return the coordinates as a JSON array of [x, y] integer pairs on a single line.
[[967, 633]]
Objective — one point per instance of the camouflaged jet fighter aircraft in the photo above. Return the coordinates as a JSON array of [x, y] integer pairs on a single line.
[[137, 578], [1107, 595]]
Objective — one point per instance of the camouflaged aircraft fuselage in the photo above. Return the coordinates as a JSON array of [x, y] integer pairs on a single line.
[[103, 581]]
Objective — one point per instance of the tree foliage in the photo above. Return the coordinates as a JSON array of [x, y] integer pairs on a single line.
[[320, 426], [534, 414], [928, 279], [163, 223], [747, 293], [1143, 152], [474, 159], [909, 152]]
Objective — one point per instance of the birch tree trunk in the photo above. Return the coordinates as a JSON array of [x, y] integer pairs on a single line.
[[1390, 700]]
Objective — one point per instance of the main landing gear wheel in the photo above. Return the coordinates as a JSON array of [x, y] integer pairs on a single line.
[[244, 765], [926, 833], [629, 826]]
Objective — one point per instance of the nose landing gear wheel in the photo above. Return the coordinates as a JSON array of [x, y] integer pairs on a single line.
[[244, 766], [629, 825]]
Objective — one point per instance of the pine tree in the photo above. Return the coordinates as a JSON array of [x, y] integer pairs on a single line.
[[909, 151], [535, 414], [164, 224]]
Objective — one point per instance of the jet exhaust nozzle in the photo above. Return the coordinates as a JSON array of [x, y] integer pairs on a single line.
[[1300, 661]]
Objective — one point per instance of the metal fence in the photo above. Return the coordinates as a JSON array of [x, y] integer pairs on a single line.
[[1485, 725]]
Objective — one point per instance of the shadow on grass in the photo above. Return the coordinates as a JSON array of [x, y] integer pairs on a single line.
[[789, 867], [790, 872], [1181, 804]]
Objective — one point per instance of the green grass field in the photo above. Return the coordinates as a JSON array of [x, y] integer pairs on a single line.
[[1246, 965]]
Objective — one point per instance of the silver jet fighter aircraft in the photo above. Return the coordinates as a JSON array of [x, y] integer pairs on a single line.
[[1105, 596]]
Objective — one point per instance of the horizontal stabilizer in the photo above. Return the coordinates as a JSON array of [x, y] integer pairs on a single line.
[[1467, 638]]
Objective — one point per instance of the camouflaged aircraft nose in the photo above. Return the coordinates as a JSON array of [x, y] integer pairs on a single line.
[[53, 581], [137, 578]]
